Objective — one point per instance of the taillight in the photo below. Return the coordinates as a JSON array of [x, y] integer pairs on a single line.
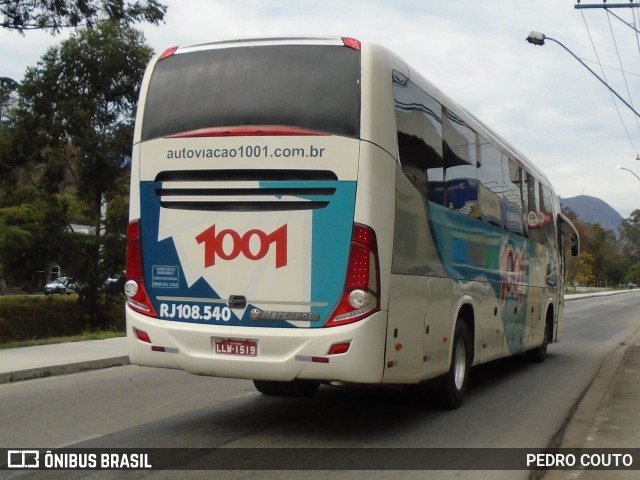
[[361, 295], [352, 43], [134, 288], [167, 53], [248, 131]]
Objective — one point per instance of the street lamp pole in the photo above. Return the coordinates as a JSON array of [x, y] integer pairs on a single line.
[[628, 170], [538, 38]]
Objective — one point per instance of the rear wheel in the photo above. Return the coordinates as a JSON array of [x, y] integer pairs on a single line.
[[538, 354], [295, 388], [267, 388], [455, 382], [299, 388]]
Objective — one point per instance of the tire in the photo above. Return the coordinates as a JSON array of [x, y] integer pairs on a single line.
[[295, 388], [299, 388], [267, 388], [453, 386], [538, 354]]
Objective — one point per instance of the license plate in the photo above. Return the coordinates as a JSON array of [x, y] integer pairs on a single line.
[[230, 346]]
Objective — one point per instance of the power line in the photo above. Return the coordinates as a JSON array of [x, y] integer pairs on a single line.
[[624, 77], [607, 82], [611, 67]]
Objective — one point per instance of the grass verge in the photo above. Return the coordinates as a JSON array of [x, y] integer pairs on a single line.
[[73, 338]]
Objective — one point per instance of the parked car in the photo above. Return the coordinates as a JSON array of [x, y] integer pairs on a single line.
[[114, 283], [61, 285]]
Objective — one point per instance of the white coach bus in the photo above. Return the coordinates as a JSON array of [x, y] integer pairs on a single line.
[[309, 210]]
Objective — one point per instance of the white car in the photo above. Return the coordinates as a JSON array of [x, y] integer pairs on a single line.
[[61, 285]]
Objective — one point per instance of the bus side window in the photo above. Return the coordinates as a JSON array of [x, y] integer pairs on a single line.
[[419, 129], [412, 151], [548, 233], [459, 144], [512, 175], [534, 220], [490, 184]]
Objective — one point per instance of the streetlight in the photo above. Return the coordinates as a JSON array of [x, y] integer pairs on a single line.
[[538, 38], [628, 170]]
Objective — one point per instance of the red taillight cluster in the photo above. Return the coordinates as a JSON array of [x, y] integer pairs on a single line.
[[352, 43], [134, 288], [168, 53], [361, 296]]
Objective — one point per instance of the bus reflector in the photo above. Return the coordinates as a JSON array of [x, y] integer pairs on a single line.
[[135, 291], [142, 335], [339, 348], [361, 296]]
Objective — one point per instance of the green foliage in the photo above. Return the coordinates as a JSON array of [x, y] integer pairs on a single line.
[[70, 131], [608, 259], [30, 237], [29, 317], [115, 241], [81, 337], [53, 15], [631, 233], [583, 270], [8, 87], [634, 274]]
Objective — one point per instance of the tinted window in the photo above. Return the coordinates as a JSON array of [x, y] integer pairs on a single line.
[[490, 184], [311, 87], [512, 176], [419, 125], [460, 149]]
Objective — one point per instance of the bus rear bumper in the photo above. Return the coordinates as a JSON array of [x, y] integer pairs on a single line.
[[283, 354]]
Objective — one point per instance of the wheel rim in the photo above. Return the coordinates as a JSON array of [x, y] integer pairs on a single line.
[[460, 367]]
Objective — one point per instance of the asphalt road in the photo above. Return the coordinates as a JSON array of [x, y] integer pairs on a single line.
[[511, 403]]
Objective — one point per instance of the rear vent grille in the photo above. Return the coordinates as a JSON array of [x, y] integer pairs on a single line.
[[246, 190]]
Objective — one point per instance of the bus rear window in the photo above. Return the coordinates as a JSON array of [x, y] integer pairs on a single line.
[[311, 87]]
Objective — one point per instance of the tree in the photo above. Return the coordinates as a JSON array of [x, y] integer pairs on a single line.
[[73, 123], [631, 236], [8, 87], [609, 262], [634, 274], [583, 270], [30, 236], [54, 15]]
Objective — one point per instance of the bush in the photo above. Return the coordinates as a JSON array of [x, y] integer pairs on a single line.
[[36, 317]]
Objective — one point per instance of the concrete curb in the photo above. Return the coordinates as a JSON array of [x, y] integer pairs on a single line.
[[50, 371], [581, 296]]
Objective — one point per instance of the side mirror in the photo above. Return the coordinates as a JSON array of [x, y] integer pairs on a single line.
[[574, 238], [575, 245]]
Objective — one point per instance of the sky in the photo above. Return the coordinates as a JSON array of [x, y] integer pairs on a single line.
[[539, 98]]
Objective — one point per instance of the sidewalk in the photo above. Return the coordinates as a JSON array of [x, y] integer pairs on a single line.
[[61, 358], [608, 415]]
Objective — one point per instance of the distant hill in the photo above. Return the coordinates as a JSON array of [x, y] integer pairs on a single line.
[[594, 210]]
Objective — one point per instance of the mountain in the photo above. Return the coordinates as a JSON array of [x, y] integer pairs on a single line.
[[594, 210]]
